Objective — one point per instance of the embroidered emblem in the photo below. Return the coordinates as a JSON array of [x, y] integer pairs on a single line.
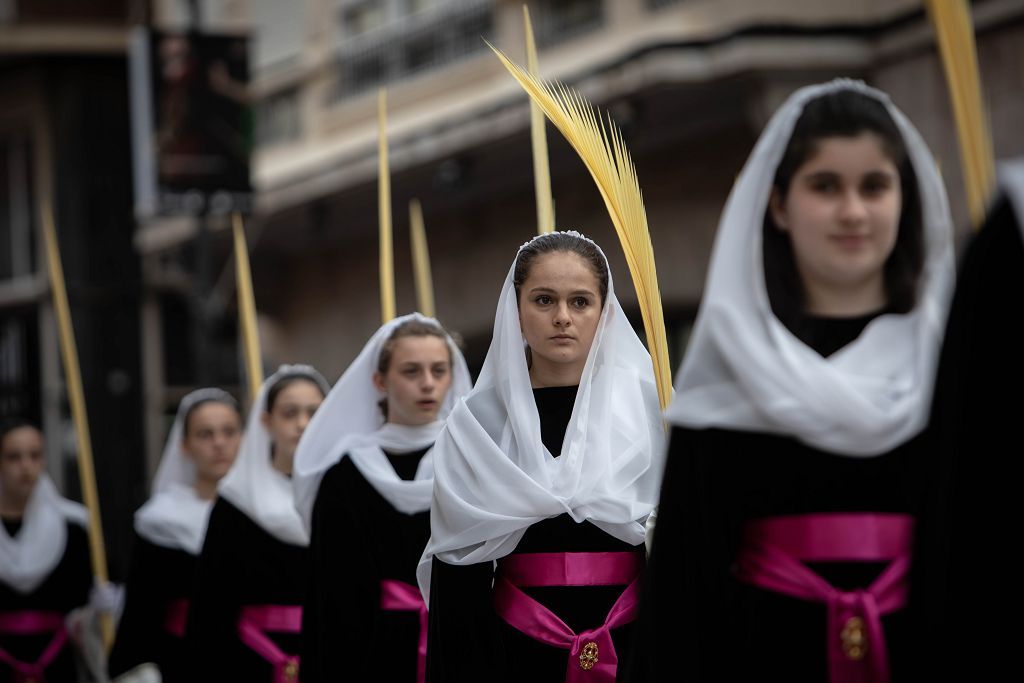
[[588, 656], [855, 640]]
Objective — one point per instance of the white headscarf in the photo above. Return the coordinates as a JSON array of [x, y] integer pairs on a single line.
[[175, 516], [36, 550], [745, 370], [350, 422], [253, 485], [493, 476], [1011, 179]]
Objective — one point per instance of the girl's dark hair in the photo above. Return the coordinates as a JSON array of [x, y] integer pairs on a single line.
[[286, 381], [844, 113], [10, 424], [410, 328], [560, 241], [206, 401]]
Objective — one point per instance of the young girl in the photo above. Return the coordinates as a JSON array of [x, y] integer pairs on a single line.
[[245, 616], [785, 526], [549, 468], [364, 476], [44, 562], [169, 530]]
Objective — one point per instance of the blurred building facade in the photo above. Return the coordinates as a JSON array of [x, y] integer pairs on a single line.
[[691, 83], [64, 143]]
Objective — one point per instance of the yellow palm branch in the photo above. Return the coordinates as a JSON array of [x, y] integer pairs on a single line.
[[541, 169], [599, 143], [955, 36]]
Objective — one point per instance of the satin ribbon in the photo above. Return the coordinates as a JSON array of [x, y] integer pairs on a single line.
[[255, 621], [176, 617], [592, 656], [33, 624], [772, 557], [398, 596]]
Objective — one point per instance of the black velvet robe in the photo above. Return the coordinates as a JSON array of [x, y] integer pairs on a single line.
[[158, 576], [358, 539], [241, 565], [469, 642], [66, 588], [697, 621]]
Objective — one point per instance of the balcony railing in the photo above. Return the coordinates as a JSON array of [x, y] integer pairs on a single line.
[[414, 44]]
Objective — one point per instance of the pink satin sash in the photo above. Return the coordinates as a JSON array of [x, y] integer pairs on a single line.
[[253, 625], [772, 557], [33, 624], [176, 617], [398, 596], [592, 656]]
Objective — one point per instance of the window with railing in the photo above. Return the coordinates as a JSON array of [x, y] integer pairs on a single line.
[[278, 118], [657, 4], [384, 41], [17, 253], [556, 21]]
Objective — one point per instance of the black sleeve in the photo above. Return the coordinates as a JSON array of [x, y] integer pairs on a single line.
[[343, 590], [211, 631], [970, 505], [77, 551], [687, 588], [141, 625], [462, 641]]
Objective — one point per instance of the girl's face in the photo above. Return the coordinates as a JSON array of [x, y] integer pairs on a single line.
[[21, 462], [842, 212], [417, 380], [290, 415], [559, 308], [214, 432]]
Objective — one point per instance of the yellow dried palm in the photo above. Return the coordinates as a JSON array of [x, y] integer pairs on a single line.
[[955, 36], [599, 143]]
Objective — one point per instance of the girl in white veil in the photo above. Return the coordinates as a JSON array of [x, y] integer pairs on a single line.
[[544, 476], [170, 528], [364, 476], [44, 561], [246, 612], [785, 525]]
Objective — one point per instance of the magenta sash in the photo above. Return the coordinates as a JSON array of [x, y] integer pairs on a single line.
[[253, 625], [592, 655], [772, 557], [398, 596], [33, 624], [176, 617]]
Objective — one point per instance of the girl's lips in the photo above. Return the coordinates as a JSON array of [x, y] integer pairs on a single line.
[[850, 241]]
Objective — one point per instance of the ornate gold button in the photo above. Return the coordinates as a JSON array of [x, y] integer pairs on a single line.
[[291, 671], [855, 639], [588, 656]]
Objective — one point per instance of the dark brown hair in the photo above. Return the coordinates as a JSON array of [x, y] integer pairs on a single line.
[[198, 404], [844, 113], [560, 241], [13, 423], [284, 382], [410, 328]]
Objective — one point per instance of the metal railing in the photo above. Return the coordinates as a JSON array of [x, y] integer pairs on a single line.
[[416, 43]]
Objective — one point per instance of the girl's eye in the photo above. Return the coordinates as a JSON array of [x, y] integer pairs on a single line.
[[543, 299], [825, 186], [580, 302], [875, 186]]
